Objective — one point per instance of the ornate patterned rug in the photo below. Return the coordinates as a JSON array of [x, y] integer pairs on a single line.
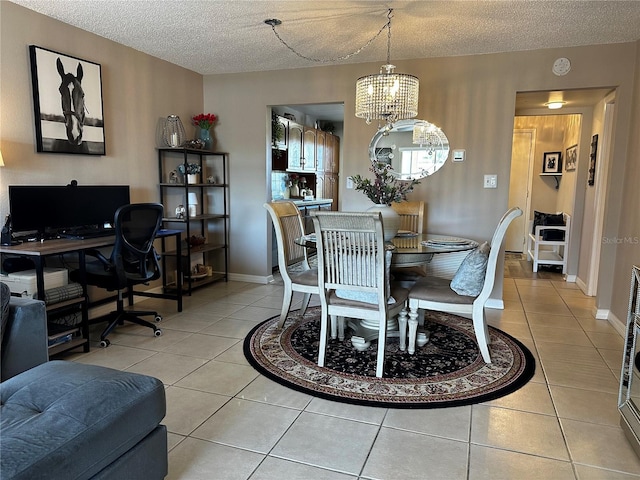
[[447, 371]]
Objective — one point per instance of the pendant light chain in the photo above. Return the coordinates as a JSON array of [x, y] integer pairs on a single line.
[[389, 35], [275, 22]]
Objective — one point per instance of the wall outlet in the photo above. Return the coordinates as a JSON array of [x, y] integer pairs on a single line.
[[491, 181], [349, 183]]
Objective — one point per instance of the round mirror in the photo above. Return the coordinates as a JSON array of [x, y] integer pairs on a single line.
[[413, 148]]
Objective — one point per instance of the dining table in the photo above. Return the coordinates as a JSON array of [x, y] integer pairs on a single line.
[[408, 249]]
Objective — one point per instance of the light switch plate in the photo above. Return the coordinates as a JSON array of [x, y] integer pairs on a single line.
[[491, 181], [458, 155], [349, 183]]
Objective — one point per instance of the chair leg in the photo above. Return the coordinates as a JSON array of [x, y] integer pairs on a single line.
[[382, 338], [286, 304], [341, 328], [305, 302], [324, 320], [402, 327], [413, 329], [482, 331]]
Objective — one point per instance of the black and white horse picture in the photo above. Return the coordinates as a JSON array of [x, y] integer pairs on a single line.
[[67, 103]]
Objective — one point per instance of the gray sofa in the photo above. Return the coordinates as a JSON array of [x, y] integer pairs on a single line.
[[67, 420]]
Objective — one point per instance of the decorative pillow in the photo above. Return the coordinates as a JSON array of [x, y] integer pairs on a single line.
[[469, 279], [538, 219], [553, 235]]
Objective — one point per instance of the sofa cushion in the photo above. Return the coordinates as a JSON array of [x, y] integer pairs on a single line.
[[5, 295], [69, 420]]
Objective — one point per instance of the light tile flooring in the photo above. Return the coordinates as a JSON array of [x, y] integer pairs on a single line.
[[227, 422]]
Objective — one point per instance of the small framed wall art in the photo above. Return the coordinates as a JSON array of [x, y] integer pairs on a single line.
[[571, 158], [67, 102], [552, 162]]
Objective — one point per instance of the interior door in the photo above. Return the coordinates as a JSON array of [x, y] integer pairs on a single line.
[[522, 151]]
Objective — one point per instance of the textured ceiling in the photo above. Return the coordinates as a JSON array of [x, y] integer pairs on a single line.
[[212, 36]]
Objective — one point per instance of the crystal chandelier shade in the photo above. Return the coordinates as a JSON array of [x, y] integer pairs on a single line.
[[428, 135], [387, 96]]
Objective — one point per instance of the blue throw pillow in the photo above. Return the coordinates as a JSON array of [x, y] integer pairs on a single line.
[[469, 279]]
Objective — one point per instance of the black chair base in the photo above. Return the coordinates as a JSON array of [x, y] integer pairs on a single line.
[[121, 315]]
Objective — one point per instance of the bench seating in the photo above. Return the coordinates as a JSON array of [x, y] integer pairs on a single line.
[[552, 251]]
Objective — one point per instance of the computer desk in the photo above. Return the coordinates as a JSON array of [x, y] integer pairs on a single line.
[[39, 250]]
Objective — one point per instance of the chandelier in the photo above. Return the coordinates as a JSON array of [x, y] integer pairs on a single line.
[[387, 96], [428, 135]]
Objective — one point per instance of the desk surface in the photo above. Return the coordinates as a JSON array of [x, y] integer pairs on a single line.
[[66, 245]]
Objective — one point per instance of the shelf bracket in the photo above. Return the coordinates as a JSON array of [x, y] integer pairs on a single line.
[[557, 182]]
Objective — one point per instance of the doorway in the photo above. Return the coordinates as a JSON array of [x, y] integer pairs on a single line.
[[522, 152]]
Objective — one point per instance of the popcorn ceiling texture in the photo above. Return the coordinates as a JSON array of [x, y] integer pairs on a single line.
[[211, 36]]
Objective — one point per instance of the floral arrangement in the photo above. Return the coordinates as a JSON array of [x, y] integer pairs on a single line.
[[292, 179], [189, 168], [386, 187], [205, 120]]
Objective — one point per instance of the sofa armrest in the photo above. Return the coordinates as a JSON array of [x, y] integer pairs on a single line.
[[24, 343]]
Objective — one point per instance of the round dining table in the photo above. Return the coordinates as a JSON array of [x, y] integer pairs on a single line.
[[409, 249]]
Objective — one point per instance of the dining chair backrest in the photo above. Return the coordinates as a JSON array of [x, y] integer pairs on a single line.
[[287, 222], [351, 252], [496, 245], [411, 215]]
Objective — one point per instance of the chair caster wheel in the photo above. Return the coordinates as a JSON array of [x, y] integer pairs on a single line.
[[158, 318], [105, 343], [157, 332]]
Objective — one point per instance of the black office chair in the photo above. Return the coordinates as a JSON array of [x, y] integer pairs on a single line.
[[133, 261]]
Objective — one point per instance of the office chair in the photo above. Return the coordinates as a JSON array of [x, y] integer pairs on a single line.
[[133, 261]]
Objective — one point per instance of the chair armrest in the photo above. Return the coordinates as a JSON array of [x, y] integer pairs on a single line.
[[24, 344]]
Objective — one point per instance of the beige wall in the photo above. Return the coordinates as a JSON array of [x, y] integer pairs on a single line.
[[138, 91], [628, 251], [471, 98]]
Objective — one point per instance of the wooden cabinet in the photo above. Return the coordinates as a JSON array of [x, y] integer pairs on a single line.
[[327, 187], [320, 150], [309, 149], [209, 218], [295, 151], [331, 153]]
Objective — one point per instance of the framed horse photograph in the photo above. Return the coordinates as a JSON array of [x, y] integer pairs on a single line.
[[67, 102]]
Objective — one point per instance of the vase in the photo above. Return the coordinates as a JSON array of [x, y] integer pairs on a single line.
[[294, 191], [192, 178], [390, 220], [205, 136]]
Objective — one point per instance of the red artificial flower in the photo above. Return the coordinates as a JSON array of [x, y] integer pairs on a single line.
[[205, 120]]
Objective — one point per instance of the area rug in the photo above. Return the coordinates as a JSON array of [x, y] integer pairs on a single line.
[[448, 371]]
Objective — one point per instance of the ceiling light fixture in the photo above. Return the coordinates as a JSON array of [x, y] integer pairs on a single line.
[[554, 105], [387, 96], [428, 135]]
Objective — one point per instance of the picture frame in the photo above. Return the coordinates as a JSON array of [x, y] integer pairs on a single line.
[[384, 155], [67, 102], [571, 158], [552, 162], [592, 161]]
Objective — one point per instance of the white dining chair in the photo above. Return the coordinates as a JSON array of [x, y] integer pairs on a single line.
[[435, 293], [353, 276], [287, 222]]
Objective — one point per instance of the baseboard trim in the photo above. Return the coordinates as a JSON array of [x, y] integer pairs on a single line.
[[619, 325], [571, 278], [495, 303], [240, 277], [602, 313], [581, 285]]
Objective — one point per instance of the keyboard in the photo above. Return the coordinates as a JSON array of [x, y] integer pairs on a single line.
[[86, 234]]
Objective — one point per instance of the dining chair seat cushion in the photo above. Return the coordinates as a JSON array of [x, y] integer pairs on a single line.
[[436, 289], [306, 277], [469, 279], [398, 296]]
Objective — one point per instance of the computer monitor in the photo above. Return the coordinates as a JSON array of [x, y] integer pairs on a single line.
[[47, 208]]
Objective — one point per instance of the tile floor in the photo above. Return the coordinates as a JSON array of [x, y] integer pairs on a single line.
[[227, 422]]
